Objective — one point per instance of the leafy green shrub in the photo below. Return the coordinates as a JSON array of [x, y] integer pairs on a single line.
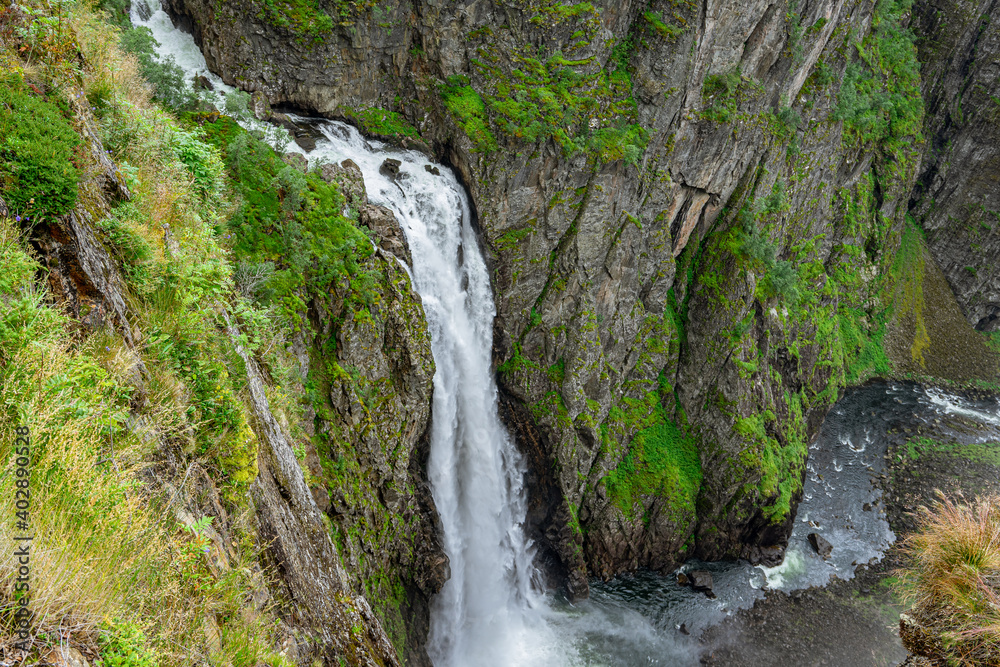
[[291, 219], [790, 119], [204, 163], [881, 101], [777, 200], [619, 143], [822, 74], [124, 645], [780, 277], [38, 153], [782, 280]]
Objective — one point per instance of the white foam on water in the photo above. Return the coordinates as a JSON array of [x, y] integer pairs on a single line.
[[951, 404]]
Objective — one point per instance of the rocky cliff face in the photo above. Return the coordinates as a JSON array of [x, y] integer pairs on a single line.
[[957, 199], [687, 207], [366, 370]]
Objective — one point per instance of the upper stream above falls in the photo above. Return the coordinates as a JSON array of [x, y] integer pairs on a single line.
[[494, 611]]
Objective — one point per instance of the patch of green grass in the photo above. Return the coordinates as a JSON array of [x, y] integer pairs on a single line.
[[509, 240], [469, 109], [304, 17], [380, 122], [669, 31], [662, 460], [779, 465], [987, 453]]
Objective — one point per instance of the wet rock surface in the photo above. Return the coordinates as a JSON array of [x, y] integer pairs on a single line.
[[820, 545]]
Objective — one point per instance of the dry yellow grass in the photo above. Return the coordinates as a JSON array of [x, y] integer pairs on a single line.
[[954, 577]]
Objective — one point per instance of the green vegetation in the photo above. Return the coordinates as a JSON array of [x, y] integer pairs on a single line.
[[289, 222], [662, 458], [552, 98], [978, 452], [951, 578], [666, 30], [164, 75], [125, 645], [380, 122], [38, 172], [470, 111], [662, 461], [111, 562], [880, 101], [780, 277], [302, 17], [721, 94]]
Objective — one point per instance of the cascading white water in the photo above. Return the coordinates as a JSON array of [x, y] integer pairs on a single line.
[[488, 612]]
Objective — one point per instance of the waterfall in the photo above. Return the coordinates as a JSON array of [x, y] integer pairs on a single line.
[[488, 612]]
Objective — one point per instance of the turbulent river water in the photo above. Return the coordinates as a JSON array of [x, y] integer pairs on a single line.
[[494, 610]]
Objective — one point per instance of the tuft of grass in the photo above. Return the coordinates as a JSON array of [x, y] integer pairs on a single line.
[[669, 31], [953, 577]]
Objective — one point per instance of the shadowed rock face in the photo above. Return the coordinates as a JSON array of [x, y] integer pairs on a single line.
[[627, 297], [957, 197]]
